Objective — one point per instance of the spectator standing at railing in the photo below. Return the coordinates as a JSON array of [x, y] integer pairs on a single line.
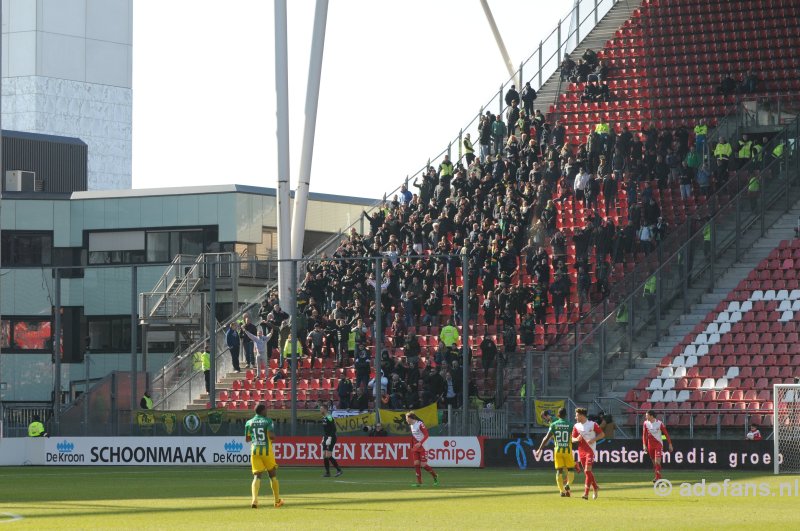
[[700, 134], [260, 342], [745, 151], [469, 150], [567, 68], [263, 314], [362, 365], [488, 354], [512, 115], [276, 319], [246, 342], [722, 153], [499, 133], [446, 168], [485, 136], [704, 179], [512, 95], [201, 361], [753, 191], [528, 96], [425, 193], [233, 342], [685, 180], [405, 195]]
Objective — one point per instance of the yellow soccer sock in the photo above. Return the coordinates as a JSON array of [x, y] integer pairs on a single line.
[[570, 477], [560, 481], [255, 487], [276, 490]]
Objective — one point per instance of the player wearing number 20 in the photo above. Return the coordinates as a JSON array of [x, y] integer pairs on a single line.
[[562, 452], [586, 433], [652, 439], [258, 431]]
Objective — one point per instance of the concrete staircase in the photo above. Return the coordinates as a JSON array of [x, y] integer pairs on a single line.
[[595, 40], [679, 324], [223, 384]]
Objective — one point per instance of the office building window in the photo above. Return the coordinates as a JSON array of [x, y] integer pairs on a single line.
[[22, 334], [27, 248], [111, 334]]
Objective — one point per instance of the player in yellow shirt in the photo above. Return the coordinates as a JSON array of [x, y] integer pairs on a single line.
[[258, 431], [562, 451]]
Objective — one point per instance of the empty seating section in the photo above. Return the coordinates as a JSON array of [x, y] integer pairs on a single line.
[[667, 60], [731, 360]]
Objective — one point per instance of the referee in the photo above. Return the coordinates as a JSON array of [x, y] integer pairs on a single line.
[[328, 442]]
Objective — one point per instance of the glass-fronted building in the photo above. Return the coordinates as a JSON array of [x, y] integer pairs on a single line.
[[95, 238]]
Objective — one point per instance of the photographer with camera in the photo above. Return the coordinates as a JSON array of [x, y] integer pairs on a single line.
[[376, 431]]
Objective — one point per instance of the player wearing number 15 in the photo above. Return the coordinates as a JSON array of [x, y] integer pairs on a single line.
[[258, 432], [586, 433], [562, 453]]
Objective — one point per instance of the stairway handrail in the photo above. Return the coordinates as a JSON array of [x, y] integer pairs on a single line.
[[666, 261]]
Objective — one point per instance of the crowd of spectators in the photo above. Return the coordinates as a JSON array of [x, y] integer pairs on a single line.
[[496, 213]]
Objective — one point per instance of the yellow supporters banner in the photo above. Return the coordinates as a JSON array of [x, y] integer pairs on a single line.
[[393, 421], [547, 406], [191, 422]]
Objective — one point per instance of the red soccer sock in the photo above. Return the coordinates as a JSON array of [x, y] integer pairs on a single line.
[[430, 470], [418, 472], [657, 468], [590, 482]]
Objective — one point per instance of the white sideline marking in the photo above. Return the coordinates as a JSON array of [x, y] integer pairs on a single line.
[[11, 518]]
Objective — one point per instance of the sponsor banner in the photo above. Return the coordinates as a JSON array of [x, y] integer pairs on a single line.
[[547, 410], [628, 453], [146, 451], [349, 451], [463, 452]]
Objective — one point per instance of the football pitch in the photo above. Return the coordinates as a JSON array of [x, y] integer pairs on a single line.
[[219, 498]]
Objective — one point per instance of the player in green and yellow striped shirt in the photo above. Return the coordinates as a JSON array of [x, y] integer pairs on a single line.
[[258, 431], [563, 459]]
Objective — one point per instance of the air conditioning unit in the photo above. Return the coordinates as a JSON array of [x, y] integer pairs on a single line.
[[22, 181]]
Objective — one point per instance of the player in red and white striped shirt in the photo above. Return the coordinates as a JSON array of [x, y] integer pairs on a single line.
[[586, 433], [419, 434], [652, 441]]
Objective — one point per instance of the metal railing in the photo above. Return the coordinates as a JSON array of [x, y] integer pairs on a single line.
[[684, 266], [543, 62], [178, 384]]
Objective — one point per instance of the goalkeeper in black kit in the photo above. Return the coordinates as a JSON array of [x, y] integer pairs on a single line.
[[328, 442]]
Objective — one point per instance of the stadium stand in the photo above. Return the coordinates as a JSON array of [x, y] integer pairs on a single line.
[[534, 227], [728, 364]]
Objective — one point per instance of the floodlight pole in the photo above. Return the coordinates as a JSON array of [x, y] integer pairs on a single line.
[[378, 340], [282, 97], [312, 102], [464, 344], [2, 184], [57, 353], [499, 40]]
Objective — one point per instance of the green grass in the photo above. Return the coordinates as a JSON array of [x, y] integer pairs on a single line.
[[219, 498]]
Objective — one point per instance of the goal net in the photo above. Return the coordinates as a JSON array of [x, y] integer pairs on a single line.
[[786, 421]]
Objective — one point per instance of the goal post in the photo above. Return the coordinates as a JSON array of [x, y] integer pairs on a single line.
[[786, 426]]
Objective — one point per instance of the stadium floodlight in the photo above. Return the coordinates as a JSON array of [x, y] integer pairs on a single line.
[[786, 423]]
